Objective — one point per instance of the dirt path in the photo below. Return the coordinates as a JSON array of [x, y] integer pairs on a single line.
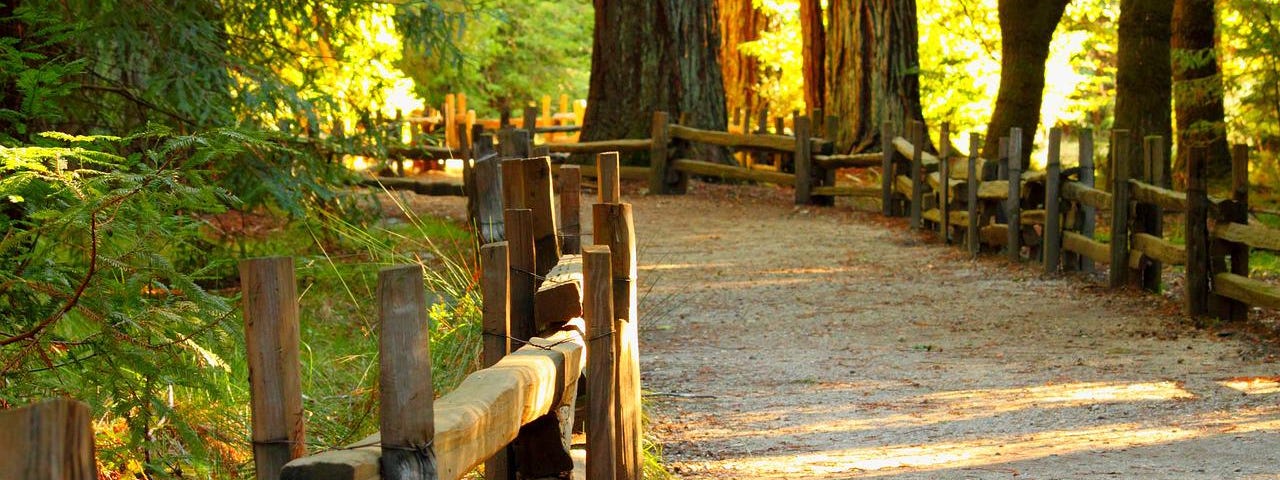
[[784, 343]]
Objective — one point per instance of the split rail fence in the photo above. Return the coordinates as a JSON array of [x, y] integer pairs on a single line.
[[559, 317], [972, 200]]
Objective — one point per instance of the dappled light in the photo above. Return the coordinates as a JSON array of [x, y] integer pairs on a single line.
[[1253, 385], [1001, 449]]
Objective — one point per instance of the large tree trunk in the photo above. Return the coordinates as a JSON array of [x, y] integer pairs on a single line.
[[1197, 87], [1026, 27], [740, 22], [1144, 76], [814, 53], [873, 69], [651, 55]]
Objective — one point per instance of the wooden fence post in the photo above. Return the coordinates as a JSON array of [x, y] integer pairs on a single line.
[[1240, 196], [1197, 235], [597, 310], [971, 192], [1120, 209], [658, 160], [944, 182], [50, 440], [886, 169], [1085, 215], [271, 339], [614, 226], [917, 167], [522, 261], [496, 324], [570, 181], [405, 391], [513, 195], [540, 197], [530, 123], [1148, 218], [1053, 203], [1013, 205], [803, 162], [608, 184]]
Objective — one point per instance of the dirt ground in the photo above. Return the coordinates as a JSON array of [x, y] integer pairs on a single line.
[[825, 343]]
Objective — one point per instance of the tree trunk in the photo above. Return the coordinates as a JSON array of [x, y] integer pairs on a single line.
[[1197, 88], [1143, 75], [873, 69], [814, 52], [740, 22], [651, 55], [1026, 27]]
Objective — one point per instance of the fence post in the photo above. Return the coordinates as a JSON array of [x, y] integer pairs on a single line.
[[539, 197], [944, 182], [1013, 205], [917, 167], [614, 226], [496, 324], [521, 258], [1148, 218], [608, 184], [530, 123], [886, 168], [658, 160], [1053, 203], [271, 339], [597, 309], [1240, 195], [1085, 216], [971, 192], [404, 361], [1120, 209], [1197, 235], [513, 195], [803, 162], [49, 440], [570, 181]]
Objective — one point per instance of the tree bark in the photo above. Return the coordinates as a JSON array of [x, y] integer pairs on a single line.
[[1197, 88], [873, 69], [814, 53], [651, 55], [1026, 28], [1144, 76], [740, 22]]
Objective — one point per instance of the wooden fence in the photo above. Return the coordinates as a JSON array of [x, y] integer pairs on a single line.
[[573, 313], [1054, 212], [553, 311]]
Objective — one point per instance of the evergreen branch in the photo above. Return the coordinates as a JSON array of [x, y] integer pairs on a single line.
[[75, 298]]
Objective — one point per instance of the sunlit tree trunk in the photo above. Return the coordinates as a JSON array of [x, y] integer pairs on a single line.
[[740, 22], [1144, 76], [653, 55], [814, 52], [1026, 27], [872, 69], [1197, 87]]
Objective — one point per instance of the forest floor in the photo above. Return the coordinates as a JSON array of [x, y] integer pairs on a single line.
[[780, 342]]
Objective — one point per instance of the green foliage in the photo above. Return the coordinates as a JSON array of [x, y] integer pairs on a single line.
[[778, 55], [1250, 45], [512, 52], [99, 293]]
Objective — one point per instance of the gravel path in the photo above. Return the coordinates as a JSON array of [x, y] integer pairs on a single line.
[[824, 343]]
